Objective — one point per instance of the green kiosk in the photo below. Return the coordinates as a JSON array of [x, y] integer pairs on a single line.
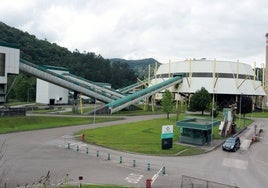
[[196, 131]]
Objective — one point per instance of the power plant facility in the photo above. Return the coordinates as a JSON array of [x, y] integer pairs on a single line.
[[225, 79]]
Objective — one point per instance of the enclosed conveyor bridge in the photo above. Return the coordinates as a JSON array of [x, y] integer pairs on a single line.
[[62, 81], [131, 99], [95, 86], [133, 86], [114, 100]]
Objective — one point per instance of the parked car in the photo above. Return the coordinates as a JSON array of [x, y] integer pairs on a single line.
[[231, 143]]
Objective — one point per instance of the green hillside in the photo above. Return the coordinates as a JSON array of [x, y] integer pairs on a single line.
[[141, 67], [88, 65]]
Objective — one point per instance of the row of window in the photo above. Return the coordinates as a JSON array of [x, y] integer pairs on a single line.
[[208, 75]]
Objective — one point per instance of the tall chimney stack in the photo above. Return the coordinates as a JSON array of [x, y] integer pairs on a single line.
[[266, 69], [265, 87]]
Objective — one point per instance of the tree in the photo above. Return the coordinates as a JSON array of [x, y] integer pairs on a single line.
[[167, 102], [24, 88], [200, 100]]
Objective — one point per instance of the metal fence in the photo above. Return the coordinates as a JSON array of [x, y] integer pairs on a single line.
[[191, 182], [12, 112]]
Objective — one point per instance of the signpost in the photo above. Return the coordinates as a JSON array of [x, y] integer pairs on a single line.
[[167, 136]]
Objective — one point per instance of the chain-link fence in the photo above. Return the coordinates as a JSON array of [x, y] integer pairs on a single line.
[[191, 182]]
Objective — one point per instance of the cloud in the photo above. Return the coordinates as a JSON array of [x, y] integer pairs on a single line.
[[165, 30]]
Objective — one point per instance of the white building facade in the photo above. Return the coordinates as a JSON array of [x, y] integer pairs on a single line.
[[48, 93], [9, 64]]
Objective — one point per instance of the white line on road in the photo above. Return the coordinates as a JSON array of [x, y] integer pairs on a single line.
[[134, 178], [156, 175], [81, 144]]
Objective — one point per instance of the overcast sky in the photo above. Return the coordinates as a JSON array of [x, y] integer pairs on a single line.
[[135, 29]]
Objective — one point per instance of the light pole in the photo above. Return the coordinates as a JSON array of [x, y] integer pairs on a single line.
[[29, 94], [212, 112], [94, 121], [240, 108]]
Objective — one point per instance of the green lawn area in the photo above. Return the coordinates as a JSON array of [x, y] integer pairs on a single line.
[[145, 136], [24, 123], [263, 114], [140, 137]]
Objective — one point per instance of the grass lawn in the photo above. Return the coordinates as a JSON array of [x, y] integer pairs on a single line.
[[23, 123], [145, 136], [263, 114], [141, 137]]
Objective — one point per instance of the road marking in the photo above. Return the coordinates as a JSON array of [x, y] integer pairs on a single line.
[[235, 163], [80, 144], [67, 136], [133, 178], [70, 136], [156, 175]]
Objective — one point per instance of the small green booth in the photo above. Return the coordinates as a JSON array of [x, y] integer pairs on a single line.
[[196, 131]]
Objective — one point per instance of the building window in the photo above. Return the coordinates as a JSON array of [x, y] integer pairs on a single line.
[[2, 64]]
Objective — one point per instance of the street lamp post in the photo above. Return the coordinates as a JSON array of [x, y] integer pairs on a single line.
[[240, 108], [212, 112], [94, 120]]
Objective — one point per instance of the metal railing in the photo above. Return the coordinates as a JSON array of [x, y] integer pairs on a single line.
[[191, 182]]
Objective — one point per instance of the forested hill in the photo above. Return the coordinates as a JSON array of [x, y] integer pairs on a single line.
[[140, 66], [87, 64]]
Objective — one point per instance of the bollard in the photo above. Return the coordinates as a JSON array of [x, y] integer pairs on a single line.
[[120, 161], [148, 167], [77, 148], [148, 183], [69, 146], [109, 157], [134, 163], [98, 153], [164, 171], [87, 151]]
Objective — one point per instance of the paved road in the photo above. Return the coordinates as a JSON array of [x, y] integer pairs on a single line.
[[32, 154]]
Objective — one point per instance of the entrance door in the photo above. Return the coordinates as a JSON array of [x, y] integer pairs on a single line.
[[51, 101]]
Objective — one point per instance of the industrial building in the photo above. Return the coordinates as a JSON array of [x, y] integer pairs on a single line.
[[9, 64], [225, 79], [48, 93]]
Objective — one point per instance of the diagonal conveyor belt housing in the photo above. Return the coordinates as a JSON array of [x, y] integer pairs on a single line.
[[133, 86], [126, 101], [94, 85], [57, 79]]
